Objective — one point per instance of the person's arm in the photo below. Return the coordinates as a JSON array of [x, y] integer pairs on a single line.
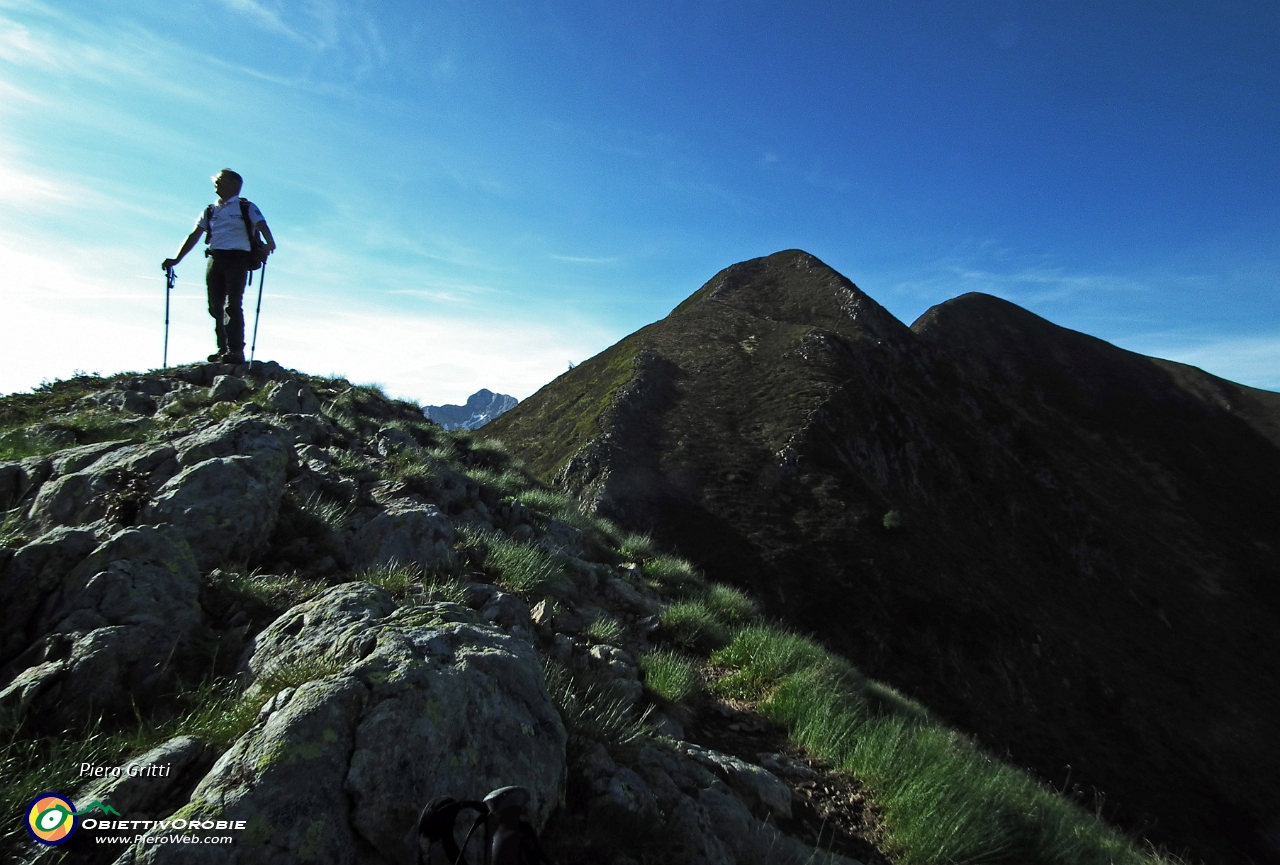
[[192, 239], [266, 233]]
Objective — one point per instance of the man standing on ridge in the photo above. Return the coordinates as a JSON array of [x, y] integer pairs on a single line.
[[232, 225]]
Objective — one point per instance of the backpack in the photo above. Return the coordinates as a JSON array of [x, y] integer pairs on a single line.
[[257, 249]]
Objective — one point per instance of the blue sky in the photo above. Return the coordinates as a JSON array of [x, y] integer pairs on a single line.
[[473, 194]]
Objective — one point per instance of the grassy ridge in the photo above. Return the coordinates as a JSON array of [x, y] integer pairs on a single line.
[[943, 799]]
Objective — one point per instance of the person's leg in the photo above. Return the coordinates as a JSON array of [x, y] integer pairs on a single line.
[[216, 282], [237, 274]]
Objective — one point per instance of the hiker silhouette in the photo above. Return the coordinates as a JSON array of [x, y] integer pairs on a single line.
[[231, 227], [509, 839]]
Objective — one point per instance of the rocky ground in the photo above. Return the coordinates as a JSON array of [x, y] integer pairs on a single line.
[[320, 611]]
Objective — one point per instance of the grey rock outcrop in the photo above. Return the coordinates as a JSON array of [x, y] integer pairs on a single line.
[[82, 480], [108, 629], [226, 499], [703, 820], [409, 536], [416, 702]]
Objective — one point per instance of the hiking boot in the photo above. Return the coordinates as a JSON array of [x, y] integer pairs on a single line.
[[215, 358], [233, 357]]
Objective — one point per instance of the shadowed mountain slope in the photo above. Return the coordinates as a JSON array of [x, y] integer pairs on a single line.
[[1070, 550]]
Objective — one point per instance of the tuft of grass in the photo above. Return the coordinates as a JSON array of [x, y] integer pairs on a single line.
[[761, 656], [695, 625], [21, 443], [275, 591], [401, 580], [438, 586], [592, 712], [670, 675], [605, 629], [349, 464], [192, 400], [334, 514], [942, 798], [396, 578], [527, 570], [637, 548], [730, 605], [14, 531], [674, 574], [508, 484]]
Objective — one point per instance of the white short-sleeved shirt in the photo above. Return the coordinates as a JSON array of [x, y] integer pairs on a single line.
[[228, 230]]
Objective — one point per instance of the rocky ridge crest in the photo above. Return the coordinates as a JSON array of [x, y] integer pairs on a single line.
[[320, 610]]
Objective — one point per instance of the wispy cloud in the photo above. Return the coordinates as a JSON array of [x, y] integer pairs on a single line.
[[263, 17]]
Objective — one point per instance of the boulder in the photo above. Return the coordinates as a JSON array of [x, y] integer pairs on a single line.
[[228, 388], [291, 397], [82, 481], [759, 786], [410, 536], [269, 447], [13, 484], [405, 704], [109, 630], [224, 508], [33, 573]]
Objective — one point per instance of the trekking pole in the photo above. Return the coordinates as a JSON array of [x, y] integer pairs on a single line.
[[169, 278], [262, 277]]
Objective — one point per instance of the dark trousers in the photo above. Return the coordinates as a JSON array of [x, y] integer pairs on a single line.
[[225, 278]]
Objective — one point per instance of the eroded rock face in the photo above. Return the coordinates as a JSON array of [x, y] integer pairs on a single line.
[[226, 499], [107, 629], [28, 578], [83, 479], [682, 789], [420, 702], [409, 536]]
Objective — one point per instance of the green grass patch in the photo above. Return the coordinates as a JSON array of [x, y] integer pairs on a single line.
[[507, 484], [335, 515], [277, 592], [942, 798], [14, 531], [401, 580], [670, 675], [397, 579], [695, 625], [637, 548], [593, 712], [729, 605], [527, 570], [605, 629], [674, 574], [50, 398]]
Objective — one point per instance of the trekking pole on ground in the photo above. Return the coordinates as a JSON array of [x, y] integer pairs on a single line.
[[169, 278], [262, 277]]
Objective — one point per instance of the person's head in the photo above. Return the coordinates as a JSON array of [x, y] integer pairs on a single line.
[[227, 183]]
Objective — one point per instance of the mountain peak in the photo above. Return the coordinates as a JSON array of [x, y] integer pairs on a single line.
[[795, 287]]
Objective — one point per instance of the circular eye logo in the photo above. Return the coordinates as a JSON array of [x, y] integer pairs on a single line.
[[51, 818]]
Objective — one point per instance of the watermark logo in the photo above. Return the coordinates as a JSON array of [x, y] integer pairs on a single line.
[[51, 817]]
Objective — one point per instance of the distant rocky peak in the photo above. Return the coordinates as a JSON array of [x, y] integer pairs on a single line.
[[481, 407], [794, 287]]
